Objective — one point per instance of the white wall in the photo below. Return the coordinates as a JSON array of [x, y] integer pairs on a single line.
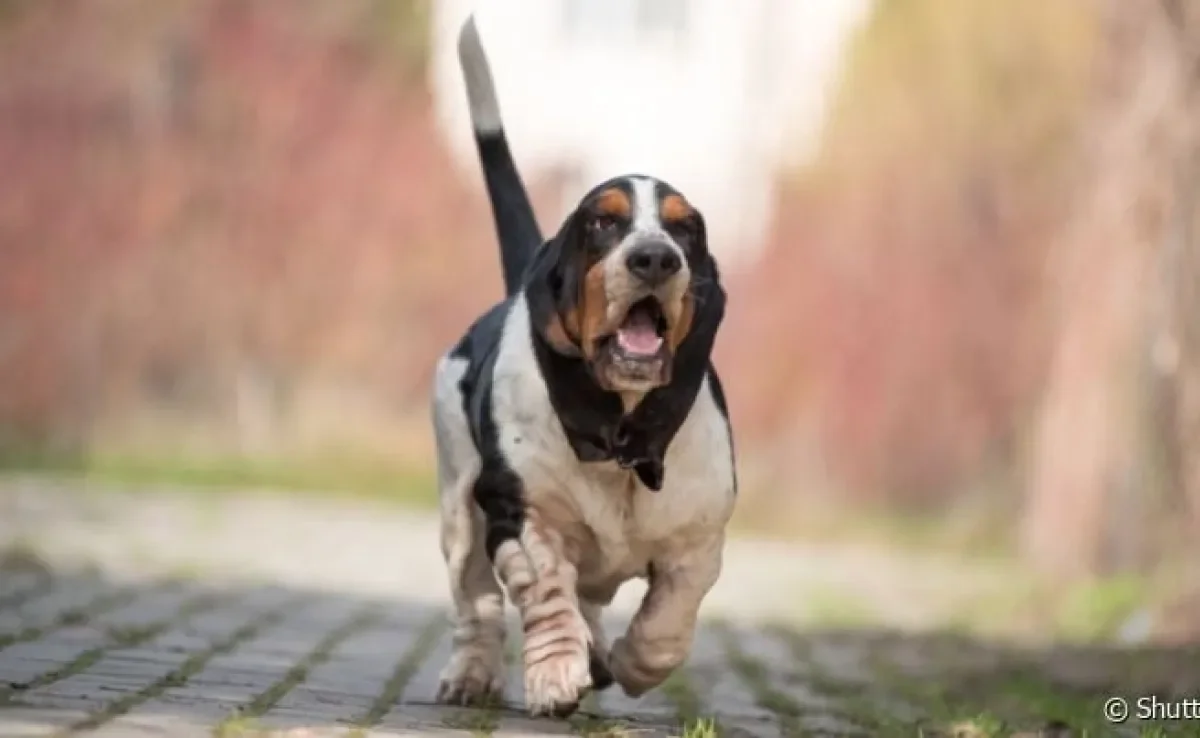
[[714, 108]]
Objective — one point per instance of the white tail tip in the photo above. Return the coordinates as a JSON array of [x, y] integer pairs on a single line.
[[481, 90]]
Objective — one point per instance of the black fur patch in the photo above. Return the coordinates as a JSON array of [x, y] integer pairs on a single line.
[[498, 490]]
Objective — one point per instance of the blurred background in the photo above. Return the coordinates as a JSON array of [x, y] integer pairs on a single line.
[[959, 240]]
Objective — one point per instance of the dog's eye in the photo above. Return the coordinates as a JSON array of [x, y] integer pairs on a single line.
[[603, 223], [682, 229]]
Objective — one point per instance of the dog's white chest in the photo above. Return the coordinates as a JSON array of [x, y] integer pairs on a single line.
[[625, 526]]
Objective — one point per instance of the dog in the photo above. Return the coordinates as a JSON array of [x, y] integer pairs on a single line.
[[582, 435]]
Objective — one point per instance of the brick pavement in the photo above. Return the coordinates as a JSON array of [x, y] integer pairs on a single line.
[[163, 615]]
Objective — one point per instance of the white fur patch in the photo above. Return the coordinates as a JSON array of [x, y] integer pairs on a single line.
[[481, 88], [456, 451], [646, 219]]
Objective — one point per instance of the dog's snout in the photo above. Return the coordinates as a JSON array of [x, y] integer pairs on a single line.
[[654, 262]]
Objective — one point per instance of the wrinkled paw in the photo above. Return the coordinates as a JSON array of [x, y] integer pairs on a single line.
[[555, 685], [630, 670], [474, 676]]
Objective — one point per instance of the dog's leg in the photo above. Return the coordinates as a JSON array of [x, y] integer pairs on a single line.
[[475, 672], [660, 635], [529, 559], [598, 653]]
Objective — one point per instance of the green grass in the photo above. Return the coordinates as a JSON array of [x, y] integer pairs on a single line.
[[342, 475], [1006, 704], [1014, 696], [596, 726], [1094, 611], [825, 605], [679, 691], [701, 728], [977, 532], [480, 722], [243, 727], [1085, 612]]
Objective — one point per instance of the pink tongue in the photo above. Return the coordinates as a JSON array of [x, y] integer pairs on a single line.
[[637, 336]]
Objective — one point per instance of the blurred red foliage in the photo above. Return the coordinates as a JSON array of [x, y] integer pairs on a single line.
[[200, 191]]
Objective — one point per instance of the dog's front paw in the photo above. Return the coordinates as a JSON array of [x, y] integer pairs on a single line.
[[621, 665], [474, 676], [638, 670], [556, 683]]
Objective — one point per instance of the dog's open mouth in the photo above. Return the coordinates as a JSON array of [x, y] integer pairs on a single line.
[[639, 337], [636, 356]]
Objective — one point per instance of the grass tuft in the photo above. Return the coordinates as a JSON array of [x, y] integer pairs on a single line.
[[595, 726], [481, 722], [238, 727], [701, 728]]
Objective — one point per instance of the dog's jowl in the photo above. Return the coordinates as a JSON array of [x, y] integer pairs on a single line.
[[582, 435]]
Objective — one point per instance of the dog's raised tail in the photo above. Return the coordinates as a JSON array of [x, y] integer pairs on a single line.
[[516, 226]]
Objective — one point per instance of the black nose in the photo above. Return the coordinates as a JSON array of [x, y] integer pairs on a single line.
[[653, 263]]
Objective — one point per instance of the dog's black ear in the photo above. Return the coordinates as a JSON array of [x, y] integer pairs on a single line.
[[706, 300], [553, 287], [708, 310], [700, 237]]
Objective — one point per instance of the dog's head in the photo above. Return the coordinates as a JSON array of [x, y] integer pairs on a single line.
[[628, 285]]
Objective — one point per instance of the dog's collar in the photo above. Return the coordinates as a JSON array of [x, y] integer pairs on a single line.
[[623, 444]]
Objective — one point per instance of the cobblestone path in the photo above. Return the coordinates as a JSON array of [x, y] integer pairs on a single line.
[[172, 615]]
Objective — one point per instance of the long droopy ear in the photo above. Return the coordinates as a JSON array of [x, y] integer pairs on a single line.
[[675, 208], [554, 286]]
